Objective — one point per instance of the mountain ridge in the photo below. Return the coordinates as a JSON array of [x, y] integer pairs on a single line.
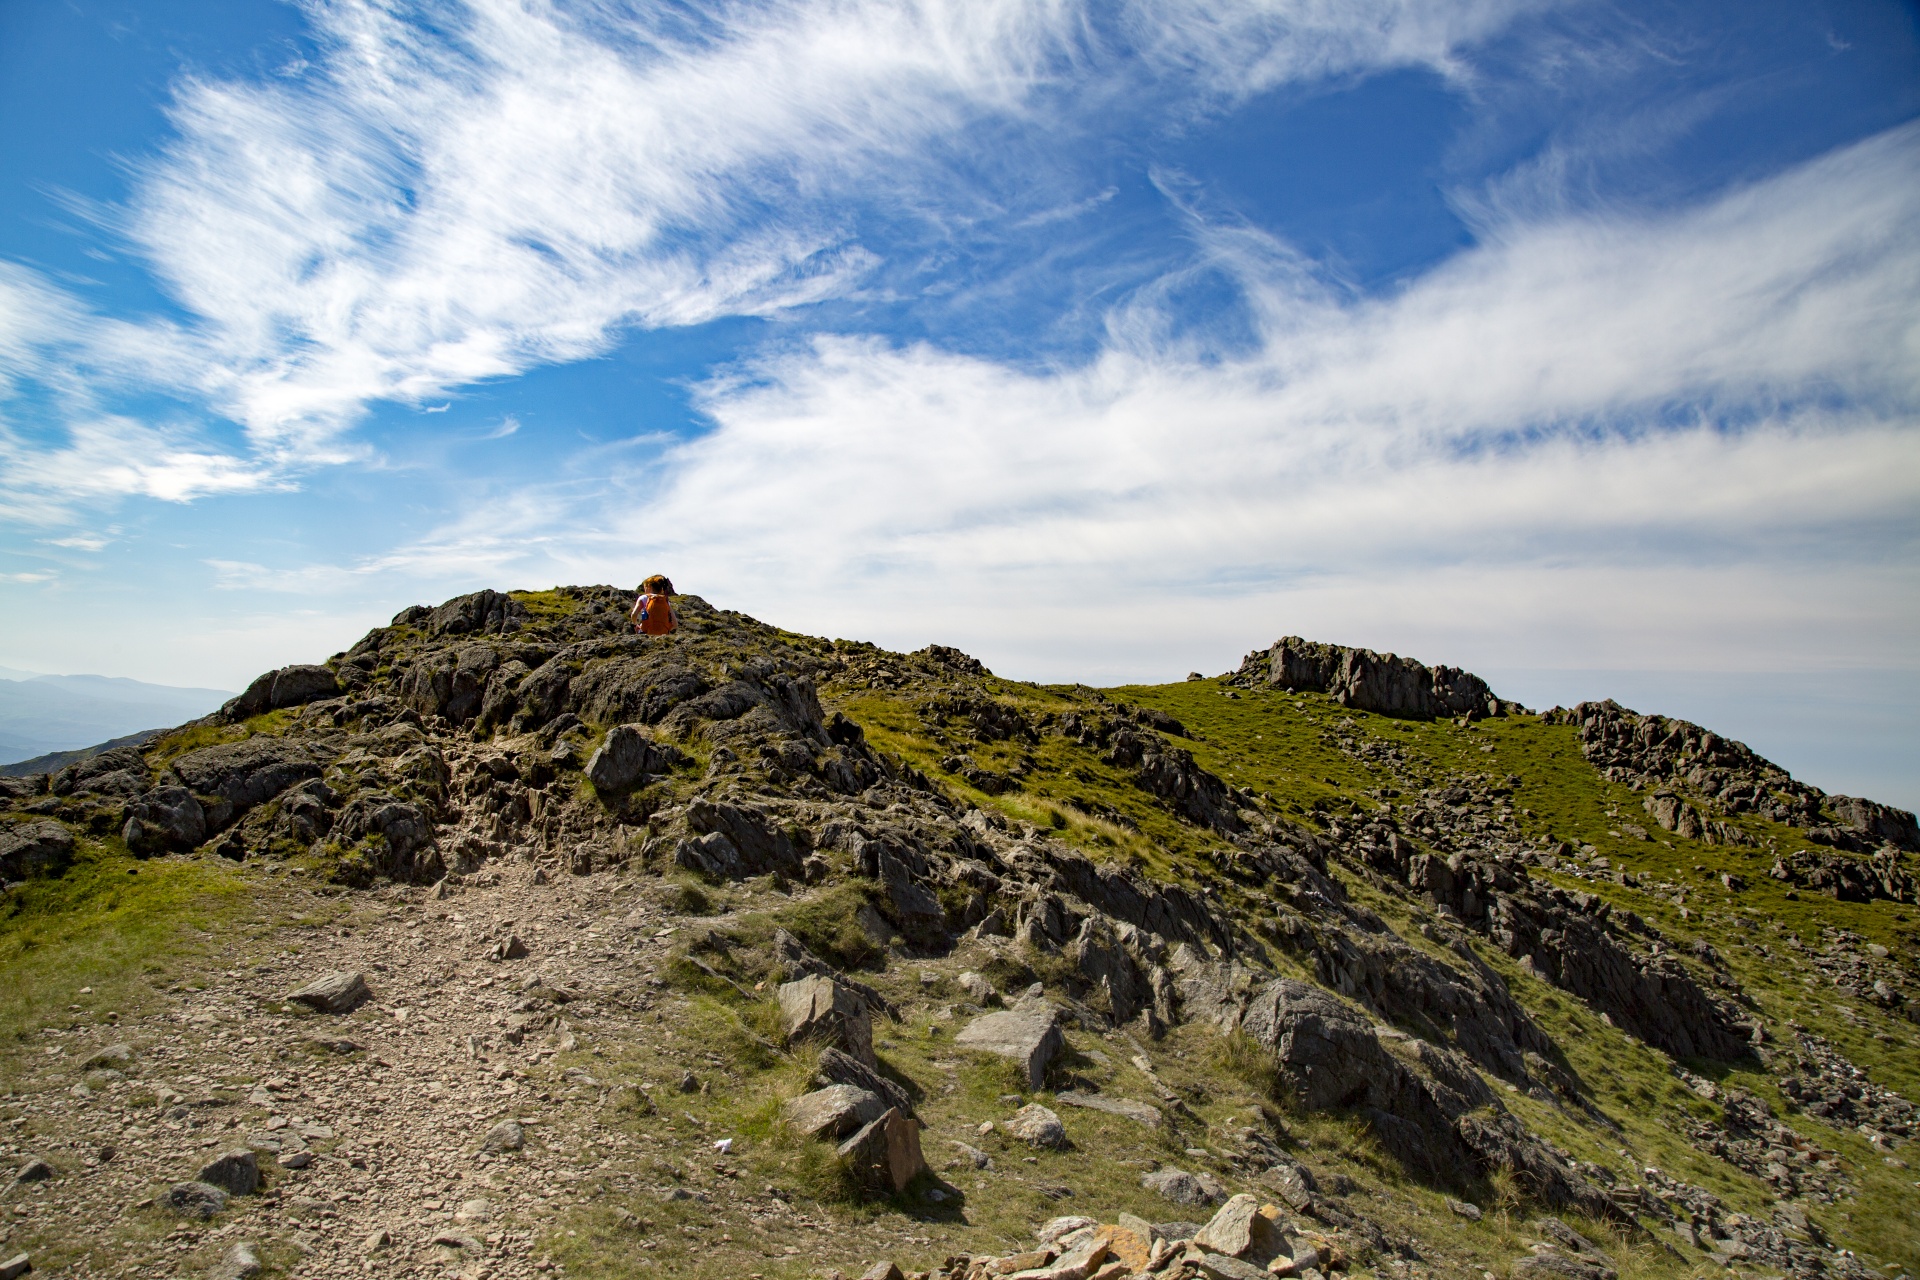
[[1379, 921]]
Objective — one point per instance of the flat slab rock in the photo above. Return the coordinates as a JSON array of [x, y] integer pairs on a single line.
[[337, 992], [1139, 1112], [1028, 1036], [835, 1111]]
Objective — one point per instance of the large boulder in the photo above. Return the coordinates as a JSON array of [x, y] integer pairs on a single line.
[[166, 819], [819, 1009], [286, 687], [34, 849], [1027, 1035], [244, 774], [885, 1154], [627, 756], [731, 841]]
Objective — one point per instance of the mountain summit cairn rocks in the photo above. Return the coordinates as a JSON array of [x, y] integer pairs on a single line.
[[1028, 1035], [818, 1008], [338, 992]]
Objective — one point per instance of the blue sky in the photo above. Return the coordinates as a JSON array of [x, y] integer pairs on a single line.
[[1573, 343]]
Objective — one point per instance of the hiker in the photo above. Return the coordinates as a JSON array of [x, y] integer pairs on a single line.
[[653, 613]]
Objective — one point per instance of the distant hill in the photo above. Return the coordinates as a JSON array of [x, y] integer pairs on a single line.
[[40, 714]]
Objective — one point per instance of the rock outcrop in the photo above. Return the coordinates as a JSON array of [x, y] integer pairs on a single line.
[[1369, 681]]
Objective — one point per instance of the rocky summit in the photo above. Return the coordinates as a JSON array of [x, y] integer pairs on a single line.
[[508, 943]]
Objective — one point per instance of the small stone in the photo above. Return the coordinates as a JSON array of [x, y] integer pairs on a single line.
[[978, 989], [458, 1240], [236, 1172], [969, 1157], [116, 1056], [882, 1271], [508, 1135], [15, 1267], [689, 1084], [294, 1159], [35, 1170], [193, 1199], [376, 1242], [240, 1263], [473, 1211], [1471, 1212], [336, 992], [508, 949], [1037, 1126]]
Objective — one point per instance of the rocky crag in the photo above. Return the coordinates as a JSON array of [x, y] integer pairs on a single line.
[[901, 912]]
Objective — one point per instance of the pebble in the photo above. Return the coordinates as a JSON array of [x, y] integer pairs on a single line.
[[240, 1263], [508, 1135], [15, 1267]]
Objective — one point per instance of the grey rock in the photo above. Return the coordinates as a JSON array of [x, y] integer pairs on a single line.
[[1138, 1112], [193, 1199], [240, 1263], [287, 687], [508, 1135], [41, 848], [294, 1159], [1058, 1228], [1553, 1265], [1460, 1208], [978, 989], [626, 756], [817, 1008], [16, 1266], [341, 991], [1027, 1036], [245, 774], [459, 1240], [165, 819], [1037, 1126], [1567, 1238], [885, 1154], [835, 1067], [112, 1057], [236, 1172], [970, 1157], [1182, 1187], [1219, 1266], [1238, 1230], [834, 1112], [1369, 681], [35, 1170]]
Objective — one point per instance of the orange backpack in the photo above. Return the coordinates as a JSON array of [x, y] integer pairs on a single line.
[[656, 616]]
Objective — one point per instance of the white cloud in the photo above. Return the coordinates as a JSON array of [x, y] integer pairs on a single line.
[[1689, 433]]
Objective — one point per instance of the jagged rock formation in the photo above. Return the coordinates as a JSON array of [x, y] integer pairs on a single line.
[[1667, 756], [1369, 681]]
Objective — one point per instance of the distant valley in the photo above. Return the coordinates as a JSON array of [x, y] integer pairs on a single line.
[[44, 713]]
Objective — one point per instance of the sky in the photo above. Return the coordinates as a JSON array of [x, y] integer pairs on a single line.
[[1576, 344]]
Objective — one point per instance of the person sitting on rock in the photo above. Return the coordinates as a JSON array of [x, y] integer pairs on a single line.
[[653, 613]]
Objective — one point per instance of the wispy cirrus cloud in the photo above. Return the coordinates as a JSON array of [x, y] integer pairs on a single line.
[[459, 192]]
